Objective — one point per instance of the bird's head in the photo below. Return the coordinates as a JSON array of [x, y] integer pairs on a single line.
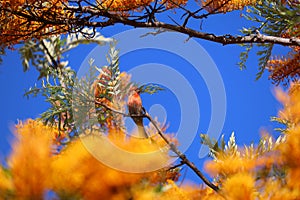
[[134, 89]]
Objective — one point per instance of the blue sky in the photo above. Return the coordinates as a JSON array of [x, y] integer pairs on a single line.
[[250, 103]]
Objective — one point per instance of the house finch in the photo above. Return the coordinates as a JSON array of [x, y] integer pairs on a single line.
[[135, 107]]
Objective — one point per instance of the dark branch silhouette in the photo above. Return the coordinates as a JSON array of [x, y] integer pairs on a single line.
[[84, 13]]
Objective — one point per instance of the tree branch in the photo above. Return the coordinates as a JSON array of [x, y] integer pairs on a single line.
[[182, 156], [54, 62], [222, 39], [172, 146], [93, 16]]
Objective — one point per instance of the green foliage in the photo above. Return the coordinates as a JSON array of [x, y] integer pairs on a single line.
[[50, 52], [244, 55], [71, 99], [265, 147], [264, 56], [265, 144], [150, 88], [83, 100], [113, 89], [213, 144], [273, 17], [56, 87], [284, 123], [110, 78], [77, 103]]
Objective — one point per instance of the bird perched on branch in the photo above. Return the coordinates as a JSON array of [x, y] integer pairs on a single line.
[[135, 108]]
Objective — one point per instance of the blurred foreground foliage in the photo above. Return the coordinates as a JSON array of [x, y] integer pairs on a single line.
[[268, 170]]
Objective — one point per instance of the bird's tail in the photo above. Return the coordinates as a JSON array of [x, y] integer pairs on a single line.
[[141, 129]]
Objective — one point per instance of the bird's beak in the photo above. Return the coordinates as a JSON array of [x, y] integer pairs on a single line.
[[138, 90]]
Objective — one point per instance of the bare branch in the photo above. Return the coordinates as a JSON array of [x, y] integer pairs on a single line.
[[222, 39], [182, 156]]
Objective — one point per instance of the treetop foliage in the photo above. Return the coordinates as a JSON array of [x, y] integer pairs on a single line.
[[19, 22], [276, 22]]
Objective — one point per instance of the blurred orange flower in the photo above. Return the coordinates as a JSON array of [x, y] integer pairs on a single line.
[[30, 159]]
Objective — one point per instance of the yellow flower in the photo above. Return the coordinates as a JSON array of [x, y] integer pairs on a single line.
[[77, 171], [6, 184], [229, 164], [30, 159], [239, 186], [188, 191], [290, 101], [226, 6]]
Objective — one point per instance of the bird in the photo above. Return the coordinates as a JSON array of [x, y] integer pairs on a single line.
[[135, 107]]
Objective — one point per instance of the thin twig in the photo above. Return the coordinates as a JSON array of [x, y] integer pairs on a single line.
[[182, 156], [176, 166], [54, 62]]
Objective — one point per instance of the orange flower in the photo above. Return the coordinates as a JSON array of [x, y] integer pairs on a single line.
[[289, 150], [230, 164], [284, 69], [30, 159], [6, 185], [239, 186], [188, 191], [15, 28], [225, 6], [77, 171], [291, 111], [135, 5]]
